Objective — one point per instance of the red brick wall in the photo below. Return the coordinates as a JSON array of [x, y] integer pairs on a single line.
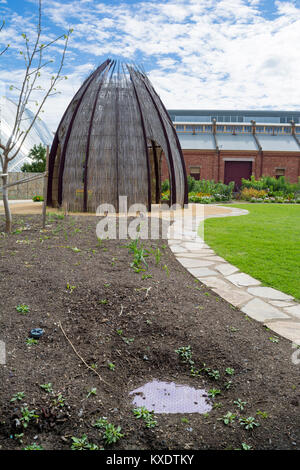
[[273, 160], [212, 165]]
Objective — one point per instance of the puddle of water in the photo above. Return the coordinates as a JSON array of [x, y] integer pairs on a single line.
[[169, 397]]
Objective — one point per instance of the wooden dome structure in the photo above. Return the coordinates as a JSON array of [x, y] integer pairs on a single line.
[[110, 142]]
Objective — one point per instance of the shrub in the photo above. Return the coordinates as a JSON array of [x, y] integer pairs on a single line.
[[273, 186], [37, 198], [249, 193]]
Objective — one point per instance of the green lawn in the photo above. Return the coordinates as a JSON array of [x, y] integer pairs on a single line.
[[265, 243]]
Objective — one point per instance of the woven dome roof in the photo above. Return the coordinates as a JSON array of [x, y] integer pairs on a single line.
[[107, 144]]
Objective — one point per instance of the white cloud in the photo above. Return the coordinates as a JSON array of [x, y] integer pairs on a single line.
[[198, 53]]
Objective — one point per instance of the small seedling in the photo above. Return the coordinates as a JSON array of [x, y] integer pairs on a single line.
[[185, 354], [18, 396], [33, 446], [157, 254], [274, 339], [100, 423], [228, 418], [214, 374], [246, 446], [70, 288], [213, 392], [82, 444], [146, 276], [165, 268], [106, 285], [75, 249], [59, 400], [47, 387], [146, 415], [31, 341], [233, 329], [127, 340], [19, 437], [93, 391], [229, 371], [228, 385], [248, 423], [112, 434], [22, 308], [240, 404], [27, 416], [184, 420], [217, 405], [262, 414], [111, 366], [120, 332], [103, 301]]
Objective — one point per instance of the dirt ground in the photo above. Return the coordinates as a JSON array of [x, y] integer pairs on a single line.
[[126, 326]]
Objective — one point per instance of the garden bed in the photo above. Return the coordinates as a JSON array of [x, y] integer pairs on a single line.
[[127, 326]]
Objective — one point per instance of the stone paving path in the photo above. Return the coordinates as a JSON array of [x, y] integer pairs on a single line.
[[278, 311]]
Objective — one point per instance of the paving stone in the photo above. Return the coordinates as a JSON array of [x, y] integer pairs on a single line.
[[281, 303], [197, 246], [217, 283], [194, 263], [287, 329], [295, 310], [233, 296], [194, 255], [262, 311], [202, 272], [177, 249], [226, 269], [174, 242], [215, 258], [269, 293], [242, 279]]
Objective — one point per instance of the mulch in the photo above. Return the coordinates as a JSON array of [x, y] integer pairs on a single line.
[[110, 314]]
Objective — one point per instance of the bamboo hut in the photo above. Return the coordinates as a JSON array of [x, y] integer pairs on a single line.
[[110, 143]]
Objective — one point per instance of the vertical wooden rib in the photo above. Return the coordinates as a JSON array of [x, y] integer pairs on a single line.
[[170, 156], [85, 195], [145, 142], [63, 155], [157, 175], [55, 143], [186, 192]]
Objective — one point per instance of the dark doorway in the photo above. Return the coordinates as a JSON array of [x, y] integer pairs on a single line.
[[235, 171]]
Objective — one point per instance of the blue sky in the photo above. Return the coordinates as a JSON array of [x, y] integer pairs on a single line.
[[225, 54]]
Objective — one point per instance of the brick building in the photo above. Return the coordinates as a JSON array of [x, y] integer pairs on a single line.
[[230, 145]]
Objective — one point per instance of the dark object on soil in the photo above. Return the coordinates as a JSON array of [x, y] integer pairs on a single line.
[[36, 333], [110, 143]]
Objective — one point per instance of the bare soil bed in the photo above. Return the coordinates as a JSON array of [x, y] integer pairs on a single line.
[[126, 326]]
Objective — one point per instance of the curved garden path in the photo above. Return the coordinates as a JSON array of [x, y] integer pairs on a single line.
[[278, 311]]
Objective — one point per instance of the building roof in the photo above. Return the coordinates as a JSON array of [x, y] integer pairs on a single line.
[[197, 141], [236, 142], [228, 115], [278, 143]]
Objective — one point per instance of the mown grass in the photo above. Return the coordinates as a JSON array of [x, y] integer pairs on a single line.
[[264, 244]]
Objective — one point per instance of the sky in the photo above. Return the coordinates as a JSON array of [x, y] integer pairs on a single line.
[[198, 54]]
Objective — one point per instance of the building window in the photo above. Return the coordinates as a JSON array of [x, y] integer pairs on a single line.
[[195, 172], [279, 172]]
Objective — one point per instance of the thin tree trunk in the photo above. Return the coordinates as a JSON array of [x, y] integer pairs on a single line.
[[8, 217]]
